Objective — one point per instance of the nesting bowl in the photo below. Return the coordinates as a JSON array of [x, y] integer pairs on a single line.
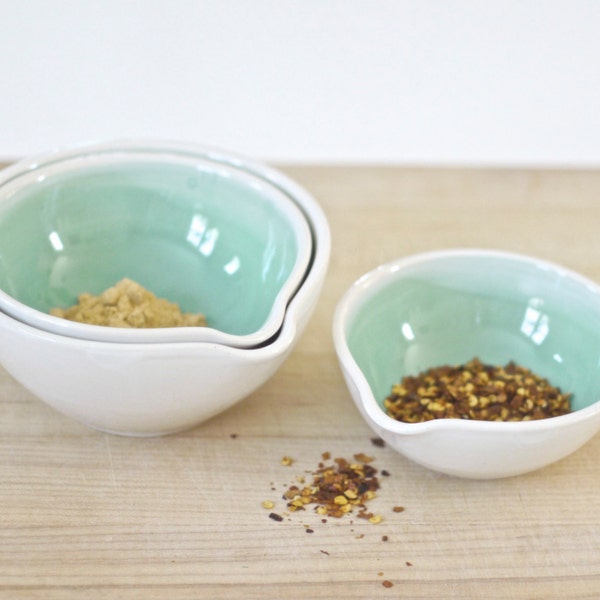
[[215, 238], [447, 307], [145, 389]]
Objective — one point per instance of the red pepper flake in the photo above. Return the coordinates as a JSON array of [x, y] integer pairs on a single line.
[[408, 564], [398, 509], [384, 538], [476, 391], [387, 583], [363, 458], [275, 517], [337, 489]]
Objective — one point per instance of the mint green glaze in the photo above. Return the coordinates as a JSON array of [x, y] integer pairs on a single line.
[[495, 308], [202, 240]]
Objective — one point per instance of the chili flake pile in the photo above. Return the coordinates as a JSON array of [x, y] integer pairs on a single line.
[[476, 391], [337, 489]]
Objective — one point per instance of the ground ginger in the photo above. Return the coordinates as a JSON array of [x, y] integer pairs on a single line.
[[128, 304]]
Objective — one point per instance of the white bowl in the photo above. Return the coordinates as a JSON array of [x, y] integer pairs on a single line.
[[448, 307], [209, 235], [155, 389]]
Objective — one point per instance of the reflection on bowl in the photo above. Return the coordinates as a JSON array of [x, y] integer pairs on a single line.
[[210, 236], [449, 307]]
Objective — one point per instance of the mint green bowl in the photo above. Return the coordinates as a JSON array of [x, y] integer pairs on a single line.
[[214, 238], [449, 307]]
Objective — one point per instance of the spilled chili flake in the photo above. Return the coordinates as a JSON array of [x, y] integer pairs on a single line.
[[338, 488], [275, 517]]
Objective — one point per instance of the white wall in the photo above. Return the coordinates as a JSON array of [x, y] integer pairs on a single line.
[[422, 81]]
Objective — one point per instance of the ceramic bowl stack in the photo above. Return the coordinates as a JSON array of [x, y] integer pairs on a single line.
[[214, 232]]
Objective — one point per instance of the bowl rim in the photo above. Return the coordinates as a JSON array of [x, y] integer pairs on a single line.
[[287, 335], [373, 281], [237, 168]]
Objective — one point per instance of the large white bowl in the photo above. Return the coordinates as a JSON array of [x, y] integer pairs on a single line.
[[207, 234], [154, 389], [449, 307]]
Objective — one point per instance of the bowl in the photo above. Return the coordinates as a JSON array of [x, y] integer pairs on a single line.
[[208, 235], [143, 389], [447, 307]]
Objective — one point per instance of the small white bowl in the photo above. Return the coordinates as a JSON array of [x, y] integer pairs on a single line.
[[209, 235], [451, 306], [155, 389]]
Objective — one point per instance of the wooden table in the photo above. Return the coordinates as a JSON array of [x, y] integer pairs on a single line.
[[89, 515]]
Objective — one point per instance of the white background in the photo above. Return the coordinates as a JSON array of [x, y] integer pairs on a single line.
[[394, 81]]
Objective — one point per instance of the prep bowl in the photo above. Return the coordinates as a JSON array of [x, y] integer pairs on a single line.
[[208, 235], [451, 306], [155, 389]]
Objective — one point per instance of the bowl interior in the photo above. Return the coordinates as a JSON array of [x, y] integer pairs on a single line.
[[190, 231], [450, 307]]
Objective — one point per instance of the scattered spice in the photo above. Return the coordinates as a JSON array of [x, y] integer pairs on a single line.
[[128, 304], [268, 504], [364, 458], [286, 461], [385, 473], [275, 517], [309, 530], [476, 391], [338, 489], [398, 509], [378, 442], [408, 564], [387, 583], [384, 538]]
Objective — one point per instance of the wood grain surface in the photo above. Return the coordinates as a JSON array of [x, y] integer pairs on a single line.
[[89, 515]]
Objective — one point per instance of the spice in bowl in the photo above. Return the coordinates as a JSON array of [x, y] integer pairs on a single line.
[[476, 391], [128, 304]]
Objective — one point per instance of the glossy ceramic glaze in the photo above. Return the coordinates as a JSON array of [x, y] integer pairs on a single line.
[[155, 389], [448, 307], [208, 235]]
